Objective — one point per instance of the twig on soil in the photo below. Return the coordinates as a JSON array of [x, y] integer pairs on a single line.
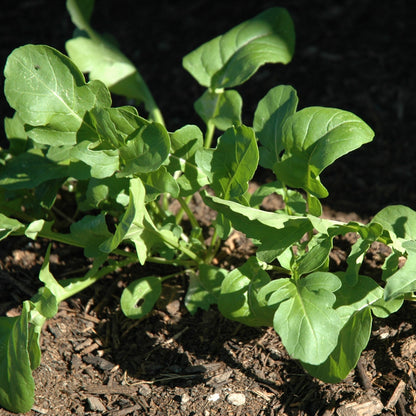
[[396, 394], [363, 375]]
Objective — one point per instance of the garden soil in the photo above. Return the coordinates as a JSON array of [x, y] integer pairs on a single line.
[[354, 55]]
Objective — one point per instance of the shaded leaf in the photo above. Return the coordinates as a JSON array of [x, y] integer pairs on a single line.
[[223, 108], [17, 386]]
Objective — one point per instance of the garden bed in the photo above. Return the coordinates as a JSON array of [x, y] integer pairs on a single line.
[[94, 360]]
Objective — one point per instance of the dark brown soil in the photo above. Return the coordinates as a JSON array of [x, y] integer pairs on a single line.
[[355, 55]]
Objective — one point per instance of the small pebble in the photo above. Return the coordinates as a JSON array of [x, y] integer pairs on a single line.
[[95, 404], [236, 399], [185, 398], [213, 397]]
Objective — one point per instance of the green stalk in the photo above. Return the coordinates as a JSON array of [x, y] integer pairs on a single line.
[[209, 134], [185, 209], [77, 284]]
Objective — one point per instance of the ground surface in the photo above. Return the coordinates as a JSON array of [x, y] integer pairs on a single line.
[[355, 55]]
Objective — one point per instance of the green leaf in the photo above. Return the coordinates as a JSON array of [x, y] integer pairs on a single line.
[[136, 226], [369, 234], [399, 221], [317, 255], [274, 231], [104, 194], [92, 231], [403, 281], [140, 296], [223, 108], [352, 340], [47, 89], [354, 305], [29, 170], [234, 162], [239, 300], [102, 59], [80, 12], [204, 288], [16, 134], [314, 138], [185, 143], [145, 150], [231, 59], [271, 113], [17, 386], [103, 163], [159, 182], [8, 226], [305, 318]]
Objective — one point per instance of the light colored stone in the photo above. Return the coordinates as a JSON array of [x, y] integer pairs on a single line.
[[236, 399]]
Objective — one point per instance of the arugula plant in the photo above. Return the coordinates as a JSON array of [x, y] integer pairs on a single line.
[[65, 134]]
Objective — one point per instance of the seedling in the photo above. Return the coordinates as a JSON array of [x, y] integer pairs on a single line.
[[121, 164]]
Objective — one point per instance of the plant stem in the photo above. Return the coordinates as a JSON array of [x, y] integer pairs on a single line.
[[185, 209], [77, 284], [209, 135]]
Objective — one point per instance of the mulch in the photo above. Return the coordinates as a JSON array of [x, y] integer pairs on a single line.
[[355, 55]]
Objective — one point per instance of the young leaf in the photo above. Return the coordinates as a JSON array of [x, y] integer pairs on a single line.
[[137, 226], [223, 108], [159, 182], [271, 113], [140, 296], [313, 138], [231, 59], [103, 163], [17, 386], [317, 256], [404, 280], [47, 89], [305, 318], [234, 162], [185, 142]]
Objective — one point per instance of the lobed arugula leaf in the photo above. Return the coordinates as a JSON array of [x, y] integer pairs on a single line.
[[305, 318], [273, 231]]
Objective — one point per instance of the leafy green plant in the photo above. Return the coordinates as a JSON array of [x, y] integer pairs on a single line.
[[115, 163]]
